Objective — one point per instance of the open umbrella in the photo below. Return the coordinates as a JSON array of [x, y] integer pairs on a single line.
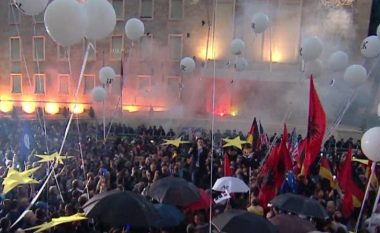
[[231, 185], [300, 205], [118, 208], [174, 190], [240, 221], [291, 224], [203, 202], [169, 216]]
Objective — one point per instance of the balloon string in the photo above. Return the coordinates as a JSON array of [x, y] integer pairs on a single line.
[[213, 112], [34, 199], [63, 141], [348, 104], [365, 197], [339, 118], [120, 99], [76, 96], [81, 156]]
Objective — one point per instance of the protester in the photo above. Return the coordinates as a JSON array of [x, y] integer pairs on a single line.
[[132, 159]]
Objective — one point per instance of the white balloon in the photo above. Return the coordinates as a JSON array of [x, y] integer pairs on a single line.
[[134, 29], [240, 64], [313, 68], [237, 46], [187, 65], [31, 7], [106, 75], [65, 22], [101, 19], [355, 75], [259, 22], [311, 48], [99, 94], [370, 144], [338, 61], [370, 47]]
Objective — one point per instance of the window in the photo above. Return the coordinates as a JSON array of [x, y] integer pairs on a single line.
[[116, 47], [63, 53], [38, 48], [144, 82], [91, 52], [175, 46], [118, 5], [39, 83], [39, 18], [176, 9], [15, 48], [16, 83], [89, 83], [13, 14], [64, 84], [146, 47], [146, 9]]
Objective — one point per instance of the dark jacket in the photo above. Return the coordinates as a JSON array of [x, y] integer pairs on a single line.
[[197, 155]]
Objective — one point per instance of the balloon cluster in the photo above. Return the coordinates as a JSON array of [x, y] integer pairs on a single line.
[[237, 47], [31, 7], [106, 77], [310, 50], [68, 22], [259, 23]]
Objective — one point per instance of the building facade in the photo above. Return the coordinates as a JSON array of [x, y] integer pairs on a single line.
[[36, 72]]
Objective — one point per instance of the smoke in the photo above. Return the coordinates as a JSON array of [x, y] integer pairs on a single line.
[[273, 93]]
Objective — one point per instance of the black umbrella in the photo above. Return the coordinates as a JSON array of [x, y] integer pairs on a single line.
[[240, 221], [300, 205], [174, 190], [292, 224], [118, 208]]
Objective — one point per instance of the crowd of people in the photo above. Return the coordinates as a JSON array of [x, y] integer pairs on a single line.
[[132, 159]]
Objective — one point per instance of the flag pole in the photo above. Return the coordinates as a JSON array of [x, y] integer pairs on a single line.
[[376, 200], [365, 197]]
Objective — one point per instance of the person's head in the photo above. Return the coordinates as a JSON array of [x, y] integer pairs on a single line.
[[82, 200], [199, 218], [30, 217], [53, 190], [14, 205], [330, 207], [75, 184], [190, 229], [338, 217], [69, 209], [5, 223], [255, 202], [40, 214], [153, 167], [24, 202], [165, 170], [200, 142]]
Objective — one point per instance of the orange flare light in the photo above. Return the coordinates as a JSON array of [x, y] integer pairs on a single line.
[[131, 108], [6, 106], [77, 108], [28, 107], [52, 108]]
